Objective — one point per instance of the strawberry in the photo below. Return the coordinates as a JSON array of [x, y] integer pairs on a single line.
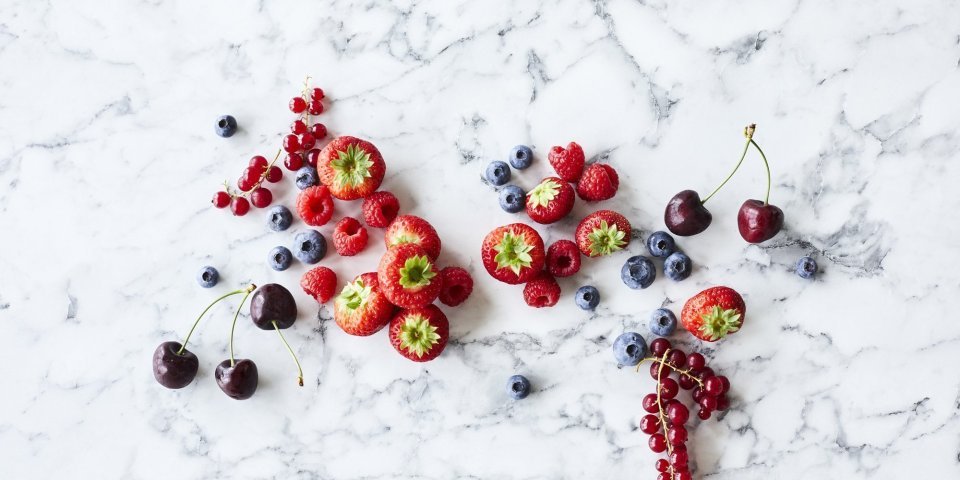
[[361, 308], [320, 283], [349, 237], [380, 208], [350, 167], [315, 205], [599, 182], [602, 233], [415, 230], [550, 201], [563, 258], [568, 162], [457, 285], [419, 334], [408, 276], [713, 313], [542, 291], [513, 253]]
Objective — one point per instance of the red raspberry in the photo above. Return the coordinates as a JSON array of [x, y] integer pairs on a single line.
[[261, 197], [563, 258], [568, 162], [349, 237], [456, 286], [599, 182], [542, 291], [315, 205], [380, 208], [318, 130], [320, 283]]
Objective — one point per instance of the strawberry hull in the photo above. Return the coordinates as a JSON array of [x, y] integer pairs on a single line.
[[513, 253]]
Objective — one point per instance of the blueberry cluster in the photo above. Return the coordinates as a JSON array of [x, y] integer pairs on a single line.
[[512, 198], [640, 272]]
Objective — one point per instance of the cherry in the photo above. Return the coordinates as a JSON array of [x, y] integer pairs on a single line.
[[298, 127], [293, 162], [297, 105], [685, 214], [759, 221], [696, 362], [713, 386], [657, 443], [313, 156], [261, 197], [660, 346], [649, 403], [316, 94], [677, 413], [258, 164], [274, 174], [239, 379], [649, 424], [291, 143], [316, 107], [273, 306], [307, 141], [318, 130], [221, 199], [239, 206]]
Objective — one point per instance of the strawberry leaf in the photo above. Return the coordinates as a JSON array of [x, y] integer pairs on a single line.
[[417, 271], [513, 252], [354, 295], [606, 239], [417, 336], [352, 167], [543, 194], [717, 322]]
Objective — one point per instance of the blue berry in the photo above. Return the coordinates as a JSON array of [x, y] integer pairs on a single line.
[[663, 322], [660, 244], [629, 348], [497, 173], [518, 387], [279, 218], [226, 126], [638, 272], [307, 177], [521, 157], [677, 266], [309, 246], [280, 258], [208, 276], [588, 297], [512, 199], [806, 267]]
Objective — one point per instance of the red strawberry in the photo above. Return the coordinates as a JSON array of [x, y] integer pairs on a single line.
[[568, 162], [349, 237], [713, 313], [599, 182], [512, 253], [415, 230], [361, 308], [542, 291], [380, 208], [419, 334], [350, 167], [563, 258], [550, 201], [457, 285], [408, 276], [320, 283], [315, 205], [602, 233]]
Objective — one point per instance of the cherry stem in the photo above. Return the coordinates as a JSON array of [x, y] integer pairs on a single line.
[[234, 325], [183, 347], [766, 199], [294, 355], [742, 156]]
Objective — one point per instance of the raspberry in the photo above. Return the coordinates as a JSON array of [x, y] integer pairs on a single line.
[[563, 258], [320, 283], [380, 208], [568, 162], [349, 237], [315, 205], [599, 182], [542, 291], [456, 286]]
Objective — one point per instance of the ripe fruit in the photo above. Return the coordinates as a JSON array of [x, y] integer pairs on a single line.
[[638, 272], [226, 126], [307, 141], [297, 105], [628, 349], [518, 387], [649, 424], [599, 182], [349, 237], [316, 107], [550, 201], [587, 297], [380, 208], [521, 157], [663, 323], [280, 258], [806, 267], [456, 285], [512, 199], [567, 162], [307, 177], [419, 333], [352, 168], [361, 308], [407, 276], [312, 157], [291, 143], [497, 173], [542, 291], [513, 253], [316, 93], [173, 366], [293, 161], [713, 313], [298, 126], [602, 233], [320, 283], [239, 206], [660, 244], [685, 214], [239, 381], [258, 164], [563, 258], [273, 306], [412, 229], [315, 205], [677, 266], [319, 131], [208, 276], [309, 246], [759, 221], [274, 174], [221, 199], [261, 197], [279, 218]]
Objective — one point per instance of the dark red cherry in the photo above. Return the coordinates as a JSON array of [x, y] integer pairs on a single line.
[[239, 381], [171, 369], [685, 214], [759, 222], [273, 303]]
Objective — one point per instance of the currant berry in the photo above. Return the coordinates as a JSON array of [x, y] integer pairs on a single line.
[[316, 107], [297, 105], [313, 156], [239, 206], [657, 443], [318, 130], [650, 404], [663, 476], [659, 346], [676, 435], [243, 185], [274, 174], [677, 413], [677, 359], [668, 388], [251, 176], [298, 127], [221, 199], [713, 386], [316, 94], [261, 197], [307, 141], [708, 403], [703, 414], [706, 373], [698, 393], [293, 162], [291, 143], [258, 164], [726, 384], [723, 403], [686, 382], [696, 362], [662, 465], [684, 475], [649, 424], [658, 373]]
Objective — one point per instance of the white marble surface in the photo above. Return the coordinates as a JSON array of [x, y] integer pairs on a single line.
[[107, 162]]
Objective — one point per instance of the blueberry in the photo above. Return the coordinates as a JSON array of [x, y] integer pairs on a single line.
[[521, 157], [280, 258], [307, 177], [309, 246], [279, 218], [638, 272], [806, 267], [512, 199], [497, 173], [663, 322], [660, 244], [629, 348], [587, 297], [677, 266], [208, 276], [518, 387], [226, 126]]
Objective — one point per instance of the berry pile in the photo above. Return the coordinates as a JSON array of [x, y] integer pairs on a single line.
[[639, 271], [251, 187]]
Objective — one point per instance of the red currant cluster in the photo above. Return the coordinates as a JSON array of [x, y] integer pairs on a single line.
[[250, 185], [666, 415], [304, 133]]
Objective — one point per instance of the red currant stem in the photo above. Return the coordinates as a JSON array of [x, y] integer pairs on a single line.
[[687, 372], [294, 355], [766, 199], [205, 310], [660, 413], [234, 325], [737, 167]]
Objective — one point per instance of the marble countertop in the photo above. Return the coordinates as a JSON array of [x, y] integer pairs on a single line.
[[108, 160]]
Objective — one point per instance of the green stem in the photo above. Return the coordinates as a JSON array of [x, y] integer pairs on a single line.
[[205, 310], [742, 156], [766, 199], [234, 326], [294, 355]]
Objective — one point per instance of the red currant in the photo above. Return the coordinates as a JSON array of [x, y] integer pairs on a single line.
[[684, 475], [698, 393], [318, 130], [723, 403], [677, 413], [658, 373], [726, 383], [664, 476], [243, 185], [660, 346], [708, 403], [649, 424], [298, 127], [686, 382], [703, 414], [261, 197], [658, 443], [649, 403], [662, 465], [316, 94], [291, 144], [677, 359], [221, 199], [298, 105], [668, 388], [307, 141], [695, 362], [713, 386], [706, 373], [316, 107], [313, 156], [293, 162], [676, 435], [258, 164], [274, 174], [239, 206]]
